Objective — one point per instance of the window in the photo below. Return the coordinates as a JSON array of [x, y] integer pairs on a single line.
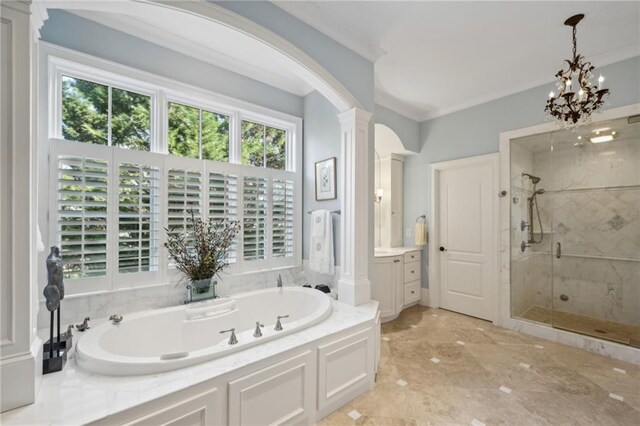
[[117, 189], [198, 133], [105, 115], [263, 146]]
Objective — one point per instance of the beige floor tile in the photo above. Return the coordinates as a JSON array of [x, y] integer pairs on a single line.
[[561, 386]]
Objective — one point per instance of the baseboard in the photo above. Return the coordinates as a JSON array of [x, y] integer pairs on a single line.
[[424, 297]]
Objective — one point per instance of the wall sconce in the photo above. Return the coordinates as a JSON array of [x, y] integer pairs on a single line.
[[377, 196]]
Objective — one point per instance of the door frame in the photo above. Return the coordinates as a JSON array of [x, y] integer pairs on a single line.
[[434, 260]]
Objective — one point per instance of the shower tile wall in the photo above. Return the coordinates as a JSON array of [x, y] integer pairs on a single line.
[[592, 223], [523, 286]]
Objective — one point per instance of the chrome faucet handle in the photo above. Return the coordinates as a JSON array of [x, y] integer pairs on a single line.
[[278, 326], [258, 332], [115, 318], [85, 325], [232, 339]]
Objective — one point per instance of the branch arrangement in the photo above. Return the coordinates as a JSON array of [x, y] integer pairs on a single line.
[[201, 252]]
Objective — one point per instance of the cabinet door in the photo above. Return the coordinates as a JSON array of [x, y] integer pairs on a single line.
[[280, 394], [383, 285], [398, 283], [396, 203], [200, 410]]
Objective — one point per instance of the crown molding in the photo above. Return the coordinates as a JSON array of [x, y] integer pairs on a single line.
[[312, 15], [601, 60], [396, 105]]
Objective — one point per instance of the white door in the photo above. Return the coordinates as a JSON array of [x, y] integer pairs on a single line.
[[467, 207]]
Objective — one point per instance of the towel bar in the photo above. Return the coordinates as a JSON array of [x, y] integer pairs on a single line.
[[332, 211]]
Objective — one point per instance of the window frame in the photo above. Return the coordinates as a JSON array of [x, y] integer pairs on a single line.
[[64, 62]]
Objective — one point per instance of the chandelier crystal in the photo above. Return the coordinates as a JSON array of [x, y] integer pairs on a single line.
[[577, 97]]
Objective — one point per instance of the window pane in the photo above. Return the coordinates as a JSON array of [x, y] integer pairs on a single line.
[[215, 136], [275, 148], [184, 123], [130, 120], [84, 111], [252, 144]]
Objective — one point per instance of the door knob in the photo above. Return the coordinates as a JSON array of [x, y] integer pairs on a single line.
[[442, 248]]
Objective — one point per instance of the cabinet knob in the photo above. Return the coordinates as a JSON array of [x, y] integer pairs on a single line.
[[412, 292], [396, 261], [442, 248]]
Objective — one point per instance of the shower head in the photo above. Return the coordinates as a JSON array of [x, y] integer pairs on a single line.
[[534, 179]]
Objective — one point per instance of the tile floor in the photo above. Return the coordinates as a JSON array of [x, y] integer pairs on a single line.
[[426, 377]]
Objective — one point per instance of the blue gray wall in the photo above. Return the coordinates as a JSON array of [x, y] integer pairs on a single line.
[[476, 131], [408, 130], [322, 141], [76, 33]]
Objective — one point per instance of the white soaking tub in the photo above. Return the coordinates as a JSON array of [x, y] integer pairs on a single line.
[[172, 338]]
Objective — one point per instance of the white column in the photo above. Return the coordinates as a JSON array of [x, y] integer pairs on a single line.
[[21, 350], [354, 286]]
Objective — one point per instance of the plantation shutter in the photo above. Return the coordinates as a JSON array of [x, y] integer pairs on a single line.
[[138, 225], [223, 204], [282, 218], [254, 224], [184, 190], [82, 191]]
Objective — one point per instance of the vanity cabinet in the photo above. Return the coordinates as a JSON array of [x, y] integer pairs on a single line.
[[387, 286], [395, 282]]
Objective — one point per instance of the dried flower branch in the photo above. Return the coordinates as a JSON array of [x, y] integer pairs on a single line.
[[201, 252]]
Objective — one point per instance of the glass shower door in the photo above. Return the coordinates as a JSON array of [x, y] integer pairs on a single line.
[[594, 202]]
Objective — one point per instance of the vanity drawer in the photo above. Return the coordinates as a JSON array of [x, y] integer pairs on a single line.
[[412, 256], [411, 271], [411, 292]]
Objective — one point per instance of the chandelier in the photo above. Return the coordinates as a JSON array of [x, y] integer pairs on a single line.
[[577, 98]]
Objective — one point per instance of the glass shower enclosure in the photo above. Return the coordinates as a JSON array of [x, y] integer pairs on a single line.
[[575, 230]]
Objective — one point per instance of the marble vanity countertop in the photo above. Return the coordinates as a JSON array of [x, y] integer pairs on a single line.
[[74, 396], [394, 251]]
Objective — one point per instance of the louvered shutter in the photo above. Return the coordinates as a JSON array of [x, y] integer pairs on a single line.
[[82, 215], [184, 191], [138, 225], [254, 224], [223, 204], [282, 218]]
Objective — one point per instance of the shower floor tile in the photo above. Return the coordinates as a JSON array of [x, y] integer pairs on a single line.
[[562, 384], [621, 333]]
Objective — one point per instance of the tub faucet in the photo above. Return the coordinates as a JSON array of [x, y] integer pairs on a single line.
[[232, 339], [84, 326], [279, 282], [279, 324], [258, 332]]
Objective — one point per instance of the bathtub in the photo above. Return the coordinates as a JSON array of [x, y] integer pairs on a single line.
[[172, 338]]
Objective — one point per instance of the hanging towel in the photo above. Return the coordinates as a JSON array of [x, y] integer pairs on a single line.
[[321, 258], [421, 236]]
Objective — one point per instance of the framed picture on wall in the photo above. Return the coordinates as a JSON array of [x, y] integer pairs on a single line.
[[326, 179]]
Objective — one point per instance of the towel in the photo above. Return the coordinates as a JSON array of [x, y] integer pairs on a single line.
[[421, 236], [321, 258], [39, 243]]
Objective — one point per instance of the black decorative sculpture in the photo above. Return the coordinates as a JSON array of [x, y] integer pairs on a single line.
[[53, 294]]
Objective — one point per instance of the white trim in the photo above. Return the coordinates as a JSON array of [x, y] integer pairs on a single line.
[[434, 243], [424, 297]]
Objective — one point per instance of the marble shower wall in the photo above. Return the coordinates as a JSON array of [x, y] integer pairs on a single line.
[[591, 223]]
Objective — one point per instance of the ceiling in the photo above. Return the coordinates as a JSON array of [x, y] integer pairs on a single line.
[[433, 58]]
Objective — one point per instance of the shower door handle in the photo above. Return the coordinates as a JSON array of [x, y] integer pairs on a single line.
[[558, 250]]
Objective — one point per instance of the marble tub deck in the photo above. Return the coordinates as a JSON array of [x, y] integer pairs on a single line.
[[625, 334], [442, 368]]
